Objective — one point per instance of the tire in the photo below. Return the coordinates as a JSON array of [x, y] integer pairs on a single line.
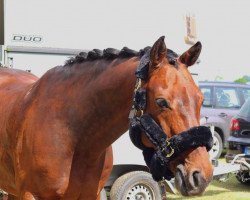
[[243, 177], [103, 194], [217, 148], [135, 185]]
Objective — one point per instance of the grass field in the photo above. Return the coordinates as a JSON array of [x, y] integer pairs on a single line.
[[229, 190]]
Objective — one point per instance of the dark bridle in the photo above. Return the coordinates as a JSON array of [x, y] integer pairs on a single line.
[[166, 149]]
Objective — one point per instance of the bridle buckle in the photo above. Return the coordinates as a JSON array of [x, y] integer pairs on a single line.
[[135, 113], [163, 150]]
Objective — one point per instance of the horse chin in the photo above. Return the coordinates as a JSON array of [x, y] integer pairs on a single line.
[[189, 184]]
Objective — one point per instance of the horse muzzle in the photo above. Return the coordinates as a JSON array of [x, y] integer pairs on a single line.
[[189, 184], [166, 149]]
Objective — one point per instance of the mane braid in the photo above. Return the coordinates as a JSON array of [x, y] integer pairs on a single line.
[[127, 53], [94, 54], [111, 54]]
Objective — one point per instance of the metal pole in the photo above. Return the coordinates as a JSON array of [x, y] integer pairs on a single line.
[[1, 22]]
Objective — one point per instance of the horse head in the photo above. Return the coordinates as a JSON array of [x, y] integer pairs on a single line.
[[173, 102]]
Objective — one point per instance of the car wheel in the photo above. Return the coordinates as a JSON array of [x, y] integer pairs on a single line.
[[135, 185], [243, 177], [217, 148]]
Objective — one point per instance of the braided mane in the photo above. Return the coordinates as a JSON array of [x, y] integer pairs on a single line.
[[111, 54]]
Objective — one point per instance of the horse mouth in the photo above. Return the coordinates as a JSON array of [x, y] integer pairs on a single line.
[[192, 184]]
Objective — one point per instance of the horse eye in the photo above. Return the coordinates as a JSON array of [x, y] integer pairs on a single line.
[[162, 103]]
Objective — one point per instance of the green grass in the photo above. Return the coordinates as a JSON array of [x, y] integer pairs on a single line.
[[229, 190]]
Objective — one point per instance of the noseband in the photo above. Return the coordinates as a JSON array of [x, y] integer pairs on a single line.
[[166, 149]]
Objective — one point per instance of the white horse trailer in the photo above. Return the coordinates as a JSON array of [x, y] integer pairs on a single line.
[[36, 60]]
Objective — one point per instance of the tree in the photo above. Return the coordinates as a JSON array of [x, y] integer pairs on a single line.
[[243, 80]]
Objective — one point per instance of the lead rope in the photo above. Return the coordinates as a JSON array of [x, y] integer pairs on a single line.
[[134, 111], [163, 190]]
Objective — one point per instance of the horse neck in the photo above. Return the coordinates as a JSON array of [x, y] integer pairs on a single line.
[[102, 105]]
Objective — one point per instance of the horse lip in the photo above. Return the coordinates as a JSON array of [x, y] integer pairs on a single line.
[[182, 185], [180, 180]]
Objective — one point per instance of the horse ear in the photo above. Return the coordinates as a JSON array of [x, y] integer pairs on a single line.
[[191, 55], [158, 52]]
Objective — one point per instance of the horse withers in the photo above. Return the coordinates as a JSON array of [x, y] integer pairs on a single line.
[[56, 131]]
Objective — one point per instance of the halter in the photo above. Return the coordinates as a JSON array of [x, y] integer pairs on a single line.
[[166, 149]]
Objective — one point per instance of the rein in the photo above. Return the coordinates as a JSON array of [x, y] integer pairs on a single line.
[[166, 149]]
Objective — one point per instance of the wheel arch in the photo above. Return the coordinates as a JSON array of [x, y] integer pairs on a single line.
[[220, 132]]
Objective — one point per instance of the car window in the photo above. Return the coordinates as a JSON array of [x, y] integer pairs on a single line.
[[207, 94], [226, 98], [245, 93], [245, 109]]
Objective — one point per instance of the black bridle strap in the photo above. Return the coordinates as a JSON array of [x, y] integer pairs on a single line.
[[143, 67], [166, 149], [153, 131], [192, 138], [199, 136]]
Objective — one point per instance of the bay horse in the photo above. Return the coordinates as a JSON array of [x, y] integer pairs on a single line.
[[56, 132]]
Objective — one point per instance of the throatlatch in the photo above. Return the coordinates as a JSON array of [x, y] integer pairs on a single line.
[[165, 150]]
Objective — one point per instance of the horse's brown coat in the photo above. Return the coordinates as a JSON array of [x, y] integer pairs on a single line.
[[56, 131]]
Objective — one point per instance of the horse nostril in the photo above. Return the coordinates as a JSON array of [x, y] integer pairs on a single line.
[[189, 183], [196, 176]]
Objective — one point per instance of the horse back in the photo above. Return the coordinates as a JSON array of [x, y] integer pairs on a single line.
[[14, 84], [14, 77]]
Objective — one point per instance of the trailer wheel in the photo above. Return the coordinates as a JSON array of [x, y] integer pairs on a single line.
[[135, 185], [103, 195]]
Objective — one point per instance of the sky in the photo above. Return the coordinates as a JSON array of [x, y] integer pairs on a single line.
[[222, 27]]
